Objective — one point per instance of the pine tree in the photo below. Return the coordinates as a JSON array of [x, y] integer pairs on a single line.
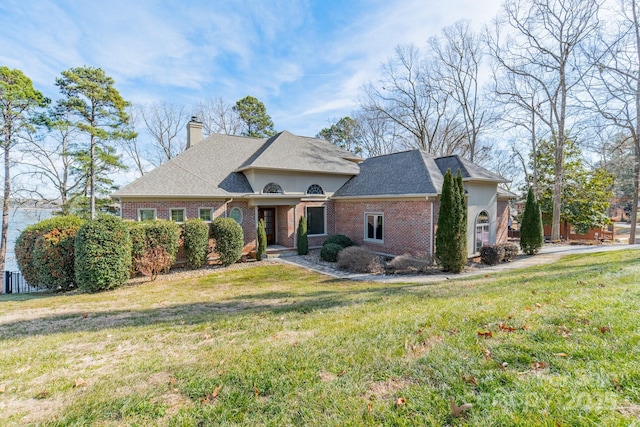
[[531, 232], [303, 239], [451, 238], [261, 249]]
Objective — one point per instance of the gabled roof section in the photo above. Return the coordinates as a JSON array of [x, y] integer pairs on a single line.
[[409, 173], [470, 171], [286, 151], [207, 169], [404, 173]]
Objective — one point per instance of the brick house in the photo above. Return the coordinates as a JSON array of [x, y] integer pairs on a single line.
[[388, 203]]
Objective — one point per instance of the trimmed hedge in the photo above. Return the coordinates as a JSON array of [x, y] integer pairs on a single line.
[[330, 252], [339, 239], [195, 237], [148, 235], [48, 261], [102, 254], [492, 254], [510, 251], [229, 240]]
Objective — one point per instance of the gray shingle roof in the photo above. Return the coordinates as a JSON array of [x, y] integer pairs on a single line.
[[207, 169], [291, 152], [411, 172], [468, 170]]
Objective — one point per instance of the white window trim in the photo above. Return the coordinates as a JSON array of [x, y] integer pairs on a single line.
[[207, 209], [155, 213], [325, 219], [483, 225], [366, 223], [184, 214]]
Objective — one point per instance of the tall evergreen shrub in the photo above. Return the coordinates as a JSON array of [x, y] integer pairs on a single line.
[[195, 237], [261, 249], [450, 232], [229, 240], [303, 238], [48, 261], [463, 215], [102, 254], [531, 231]]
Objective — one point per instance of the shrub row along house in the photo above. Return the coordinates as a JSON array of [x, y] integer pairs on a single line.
[[387, 203]]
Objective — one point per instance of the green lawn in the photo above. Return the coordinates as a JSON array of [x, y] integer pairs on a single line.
[[557, 345]]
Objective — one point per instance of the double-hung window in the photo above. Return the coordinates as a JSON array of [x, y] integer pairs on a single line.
[[374, 227], [316, 220]]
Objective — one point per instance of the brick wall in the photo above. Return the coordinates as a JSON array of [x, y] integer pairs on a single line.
[[502, 221], [163, 208], [407, 225]]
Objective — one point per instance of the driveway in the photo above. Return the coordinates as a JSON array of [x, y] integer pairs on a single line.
[[547, 255]]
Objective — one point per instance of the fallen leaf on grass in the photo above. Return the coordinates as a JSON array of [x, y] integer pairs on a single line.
[[400, 401], [470, 380], [506, 328], [341, 373], [43, 394], [616, 384], [561, 354], [485, 334], [538, 366], [210, 397], [456, 410], [370, 407], [487, 353], [604, 329], [80, 382], [206, 336], [85, 315], [172, 381], [453, 331], [256, 392], [2, 388]]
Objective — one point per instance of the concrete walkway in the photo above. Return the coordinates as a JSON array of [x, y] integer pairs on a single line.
[[547, 255]]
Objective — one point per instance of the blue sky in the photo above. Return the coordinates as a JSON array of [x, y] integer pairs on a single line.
[[305, 60]]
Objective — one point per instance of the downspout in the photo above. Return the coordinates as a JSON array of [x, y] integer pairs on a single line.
[[226, 207]]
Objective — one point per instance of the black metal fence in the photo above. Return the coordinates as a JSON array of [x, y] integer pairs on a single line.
[[14, 283]]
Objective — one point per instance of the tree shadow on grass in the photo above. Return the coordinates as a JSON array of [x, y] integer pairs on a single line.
[[338, 293]]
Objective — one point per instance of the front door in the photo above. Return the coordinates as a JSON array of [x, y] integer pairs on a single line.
[[269, 217]]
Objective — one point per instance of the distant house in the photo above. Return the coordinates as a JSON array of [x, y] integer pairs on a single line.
[[387, 203]]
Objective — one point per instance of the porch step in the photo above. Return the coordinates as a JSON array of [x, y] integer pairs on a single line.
[[277, 252]]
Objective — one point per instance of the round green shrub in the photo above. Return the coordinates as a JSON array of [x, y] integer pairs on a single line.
[[53, 257], [195, 236], [330, 252], [492, 254], [165, 234], [510, 251], [229, 240], [102, 254], [34, 270], [339, 239]]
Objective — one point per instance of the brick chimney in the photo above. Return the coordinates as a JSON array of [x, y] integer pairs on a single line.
[[194, 131]]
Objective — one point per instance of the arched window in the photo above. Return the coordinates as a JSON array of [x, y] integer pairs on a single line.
[[315, 189], [482, 230], [272, 188]]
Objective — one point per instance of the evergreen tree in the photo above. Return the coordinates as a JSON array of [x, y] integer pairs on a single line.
[[531, 232], [97, 110], [303, 239], [261, 250], [463, 217], [253, 113], [450, 232]]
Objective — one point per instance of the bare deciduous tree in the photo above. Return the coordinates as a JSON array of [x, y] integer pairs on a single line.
[[613, 85], [166, 124], [218, 117], [541, 47]]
